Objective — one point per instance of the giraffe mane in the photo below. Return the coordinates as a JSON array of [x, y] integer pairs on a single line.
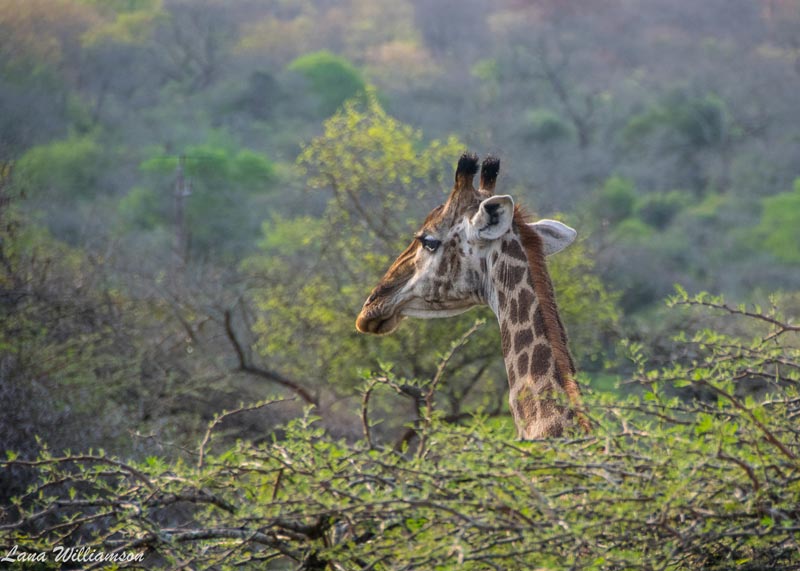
[[554, 329]]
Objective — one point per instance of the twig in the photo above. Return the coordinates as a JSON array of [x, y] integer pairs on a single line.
[[227, 414], [139, 475], [782, 327], [365, 413], [458, 344]]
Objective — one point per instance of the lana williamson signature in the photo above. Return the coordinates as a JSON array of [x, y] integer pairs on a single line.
[[71, 555]]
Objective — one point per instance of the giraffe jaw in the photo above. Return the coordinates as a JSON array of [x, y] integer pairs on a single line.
[[376, 323], [427, 313]]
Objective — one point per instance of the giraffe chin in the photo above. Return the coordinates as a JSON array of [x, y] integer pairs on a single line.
[[379, 324]]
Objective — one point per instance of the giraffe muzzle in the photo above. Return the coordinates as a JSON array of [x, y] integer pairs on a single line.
[[377, 322]]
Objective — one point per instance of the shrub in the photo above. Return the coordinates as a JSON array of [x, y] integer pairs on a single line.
[[615, 201], [68, 169], [661, 483], [333, 79], [780, 225], [658, 209], [544, 126]]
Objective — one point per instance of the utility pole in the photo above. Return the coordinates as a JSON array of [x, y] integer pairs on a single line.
[[183, 189]]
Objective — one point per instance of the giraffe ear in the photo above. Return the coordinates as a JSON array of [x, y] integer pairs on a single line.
[[555, 235], [494, 217]]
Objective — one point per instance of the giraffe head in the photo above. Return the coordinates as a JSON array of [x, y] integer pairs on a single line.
[[447, 267]]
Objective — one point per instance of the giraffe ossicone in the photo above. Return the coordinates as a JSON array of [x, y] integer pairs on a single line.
[[478, 249]]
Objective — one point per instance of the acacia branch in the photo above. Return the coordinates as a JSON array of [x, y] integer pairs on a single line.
[[138, 474], [782, 327], [246, 367], [218, 419]]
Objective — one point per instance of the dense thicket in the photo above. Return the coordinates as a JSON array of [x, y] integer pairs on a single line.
[[662, 483]]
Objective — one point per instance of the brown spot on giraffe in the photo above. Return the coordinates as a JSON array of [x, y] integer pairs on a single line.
[[525, 300], [455, 263], [522, 364], [513, 275], [514, 249], [540, 359], [513, 312], [523, 339]]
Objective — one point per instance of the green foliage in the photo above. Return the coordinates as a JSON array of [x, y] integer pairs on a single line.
[[588, 308], [708, 210], [65, 169], [127, 21], [545, 126], [615, 200], [141, 208], [224, 182], [700, 122], [85, 361], [378, 169], [661, 482], [632, 231], [333, 79], [658, 209], [486, 70], [215, 165], [63, 371], [779, 228]]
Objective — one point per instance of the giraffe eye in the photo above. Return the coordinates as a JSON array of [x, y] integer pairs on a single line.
[[429, 243]]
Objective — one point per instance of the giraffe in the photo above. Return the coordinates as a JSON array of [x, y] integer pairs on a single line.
[[478, 249]]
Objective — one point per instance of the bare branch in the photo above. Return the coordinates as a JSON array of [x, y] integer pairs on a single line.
[[246, 367]]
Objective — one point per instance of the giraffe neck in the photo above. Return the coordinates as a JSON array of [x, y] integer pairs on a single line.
[[537, 394]]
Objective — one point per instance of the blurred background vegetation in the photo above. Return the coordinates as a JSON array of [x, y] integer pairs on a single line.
[[197, 196]]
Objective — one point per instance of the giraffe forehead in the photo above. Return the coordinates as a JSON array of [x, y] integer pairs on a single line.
[[447, 216], [445, 228]]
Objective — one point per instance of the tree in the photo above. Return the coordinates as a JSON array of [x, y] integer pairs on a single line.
[[614, 202], [193, 42], [332, 79], [376, 167], [779, 229], [223, 182], [690, 127]]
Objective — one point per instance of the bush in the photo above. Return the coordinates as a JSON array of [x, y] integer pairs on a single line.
[[226, 181], [67, 170], [660, 483], [333, 79], [658, 209], [615, 201], [544, 126], [780, 225]]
